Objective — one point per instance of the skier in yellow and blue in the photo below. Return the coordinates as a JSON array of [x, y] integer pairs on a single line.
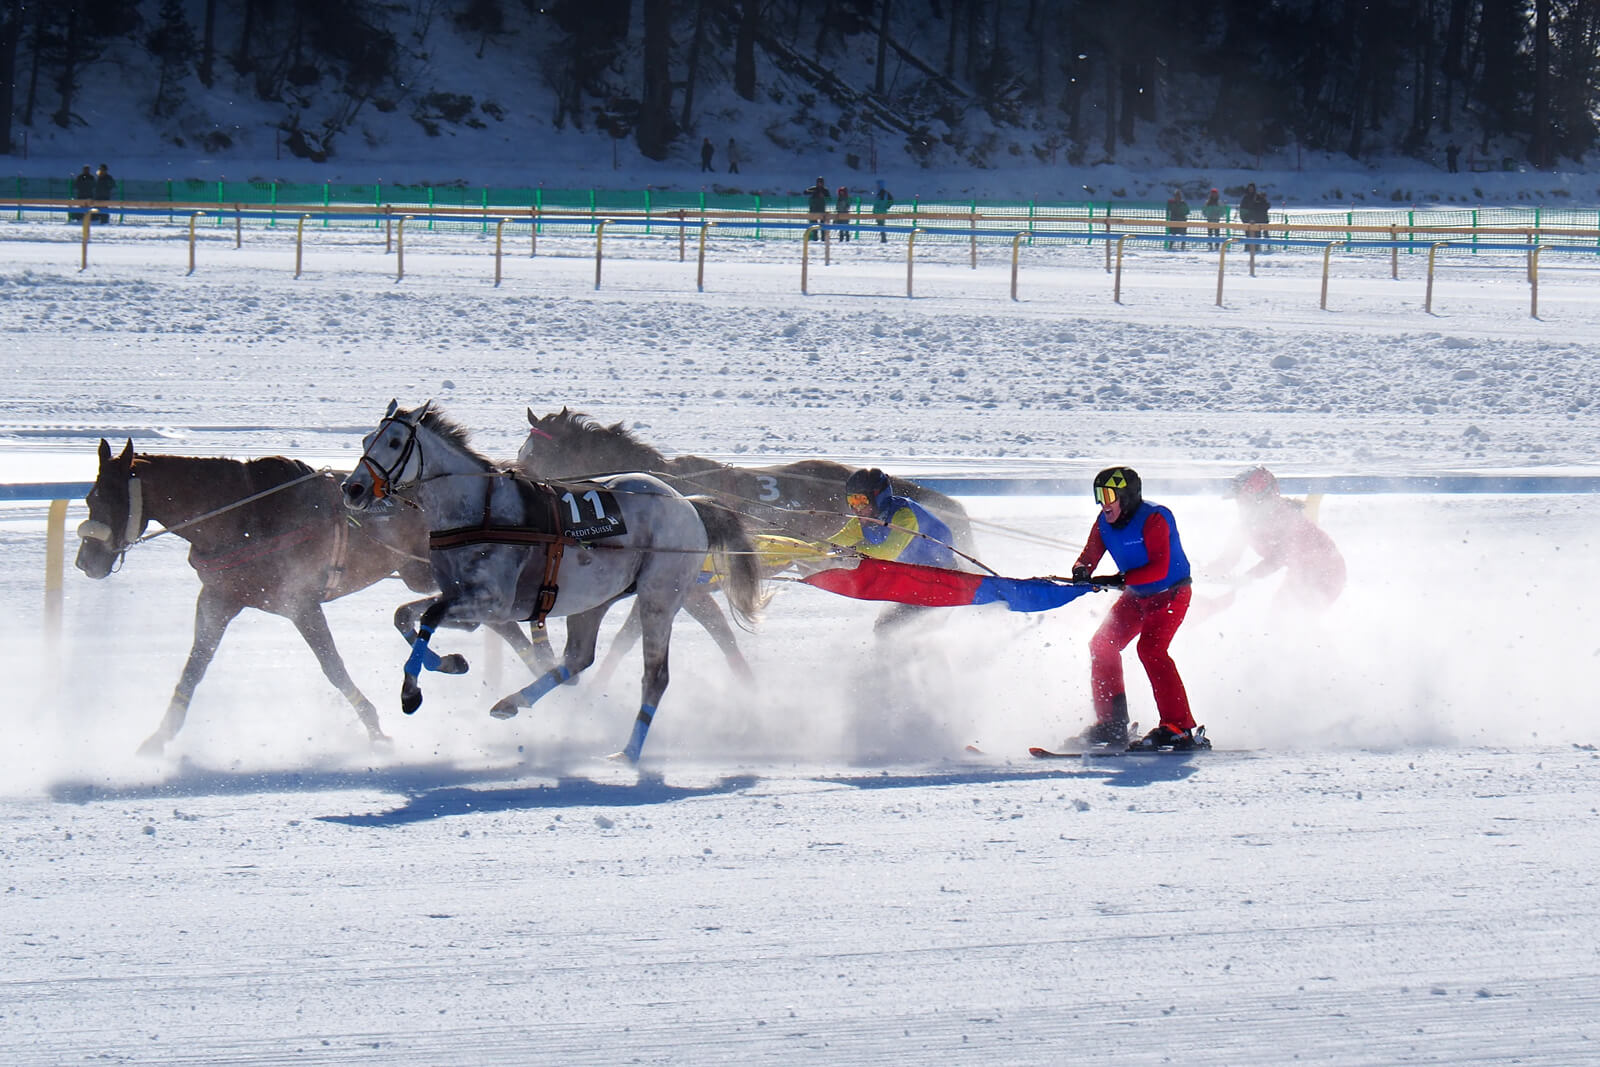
[[888, 526]]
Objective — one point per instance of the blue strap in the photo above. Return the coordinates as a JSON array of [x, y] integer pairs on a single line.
[[545, 682], [641, 726], [422, 657]]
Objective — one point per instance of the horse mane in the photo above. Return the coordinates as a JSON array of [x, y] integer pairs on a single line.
[[456, 434], [252, 474], [577, 430]]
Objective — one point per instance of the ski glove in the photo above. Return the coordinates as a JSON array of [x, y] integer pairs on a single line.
[[1110, 581], [1081, 572]]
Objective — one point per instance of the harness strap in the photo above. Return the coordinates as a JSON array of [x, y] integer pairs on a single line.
[[486, 534]]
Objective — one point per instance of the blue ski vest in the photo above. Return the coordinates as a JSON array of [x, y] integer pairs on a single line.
[[1128, 550]]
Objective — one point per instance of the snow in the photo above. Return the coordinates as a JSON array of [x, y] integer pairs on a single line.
[[1396, 868]]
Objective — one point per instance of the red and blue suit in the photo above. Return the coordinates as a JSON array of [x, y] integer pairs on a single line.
[[1146, 549]]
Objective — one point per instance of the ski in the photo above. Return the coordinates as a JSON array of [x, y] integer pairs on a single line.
[[1201, 744]]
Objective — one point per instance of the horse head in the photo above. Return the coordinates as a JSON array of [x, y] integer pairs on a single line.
[[116, 513], [570, 444], [390, 458]]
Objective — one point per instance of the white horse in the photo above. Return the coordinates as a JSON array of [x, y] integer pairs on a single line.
[[505, 549]]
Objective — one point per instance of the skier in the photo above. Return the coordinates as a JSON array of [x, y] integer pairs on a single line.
[[1154, 573], [888, 526], [1285, 537]]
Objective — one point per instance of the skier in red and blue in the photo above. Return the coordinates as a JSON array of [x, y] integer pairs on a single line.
[[1153, 572]]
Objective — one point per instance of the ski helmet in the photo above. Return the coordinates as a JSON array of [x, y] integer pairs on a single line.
[[871, 483], [1122, 485], [1254, 484]]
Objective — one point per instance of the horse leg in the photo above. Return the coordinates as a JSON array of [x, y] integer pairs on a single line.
[[534, 653], [656, 623], [212, 614], [583, 631], [702, 607], [313, 626], [432, 609], [627, 637]]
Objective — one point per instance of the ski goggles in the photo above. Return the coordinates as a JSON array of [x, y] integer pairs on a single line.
[[858, 500], [1104, 495]]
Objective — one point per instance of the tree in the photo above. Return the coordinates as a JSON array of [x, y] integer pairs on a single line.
[[655, 131], [172, 43]]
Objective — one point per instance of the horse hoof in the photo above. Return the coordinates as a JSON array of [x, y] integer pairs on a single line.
[[380, 740], [154, 745], [454, 663], [410, 701], [505, 709]]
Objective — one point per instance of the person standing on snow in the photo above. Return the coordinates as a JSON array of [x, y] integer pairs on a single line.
[[707, 150], [882, 201], [733, 157], [841, 212], [1153, 573], [817, 204], [1177, 211], [1213, 210], [1285, 537], [892, 527]]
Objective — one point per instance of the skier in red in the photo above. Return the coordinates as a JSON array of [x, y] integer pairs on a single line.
[[1154, 573], [1286, 538]]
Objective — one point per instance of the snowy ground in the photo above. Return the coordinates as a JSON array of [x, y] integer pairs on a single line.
[[1398, 871]]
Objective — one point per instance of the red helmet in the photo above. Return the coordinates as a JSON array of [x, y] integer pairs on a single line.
[[1256, 483]]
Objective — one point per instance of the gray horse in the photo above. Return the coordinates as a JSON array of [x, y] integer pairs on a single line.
[[507, 549]]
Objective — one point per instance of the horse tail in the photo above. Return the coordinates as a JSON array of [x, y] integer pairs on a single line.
[[733, 555]]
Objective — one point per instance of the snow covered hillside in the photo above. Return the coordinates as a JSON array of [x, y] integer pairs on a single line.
[[1395, 868]]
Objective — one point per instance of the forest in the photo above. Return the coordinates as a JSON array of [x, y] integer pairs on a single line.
[[1082, 78]]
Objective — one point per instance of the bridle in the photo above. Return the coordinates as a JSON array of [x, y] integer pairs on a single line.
[[385, 479], [95, 530]]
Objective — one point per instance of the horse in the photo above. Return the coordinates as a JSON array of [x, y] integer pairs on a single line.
[[269, 534], [802, 499], [508, 549]]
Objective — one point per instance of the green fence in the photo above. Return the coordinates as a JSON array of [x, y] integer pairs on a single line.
[[775, 217]]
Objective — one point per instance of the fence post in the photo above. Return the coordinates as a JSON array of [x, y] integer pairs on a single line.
[[194, 218], [400, 246], [911, 244], [299, 242], [1427, 305], [973, 222], [54, 567], [1016, 251], [238, 227], [499, 229], [1394, 251], [700, 273], [88, 217], [1222, 260], [599, 242], [1533, 278], [1327, 254], [1116, 286], [533, 230], [683, 230], [805, 256]]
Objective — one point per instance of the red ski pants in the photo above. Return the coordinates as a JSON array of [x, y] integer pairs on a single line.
[[1153, 620]]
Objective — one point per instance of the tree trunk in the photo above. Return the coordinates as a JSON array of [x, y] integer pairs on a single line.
[[11, 12], [878, 84], [693, 64], [208, 41], [241, 58], [654, 134], [67, 80], [744, 49], [1539, 145]]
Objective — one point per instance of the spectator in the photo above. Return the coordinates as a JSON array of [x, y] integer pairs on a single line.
[[1263, 215], [82, 189], [105, 187], [733, 157], [817, 204], [882, 201], [707, 150], [1154, 573], [841, 212], [1452, 152], [1177, 211], [1213, 211], [1247, 212]]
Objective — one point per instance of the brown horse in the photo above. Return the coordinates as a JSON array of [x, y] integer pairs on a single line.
[[804, 499], [270, 534]]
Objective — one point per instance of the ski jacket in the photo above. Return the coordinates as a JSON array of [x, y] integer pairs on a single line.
[[1177, 210], [882, 201], [1146, 549], [910, 533]]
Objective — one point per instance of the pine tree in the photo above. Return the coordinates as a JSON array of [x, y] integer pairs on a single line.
[[172, 43]]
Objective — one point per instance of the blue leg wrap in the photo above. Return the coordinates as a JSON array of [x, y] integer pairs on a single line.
[[422, 657], [545, 682], [641, 726]]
